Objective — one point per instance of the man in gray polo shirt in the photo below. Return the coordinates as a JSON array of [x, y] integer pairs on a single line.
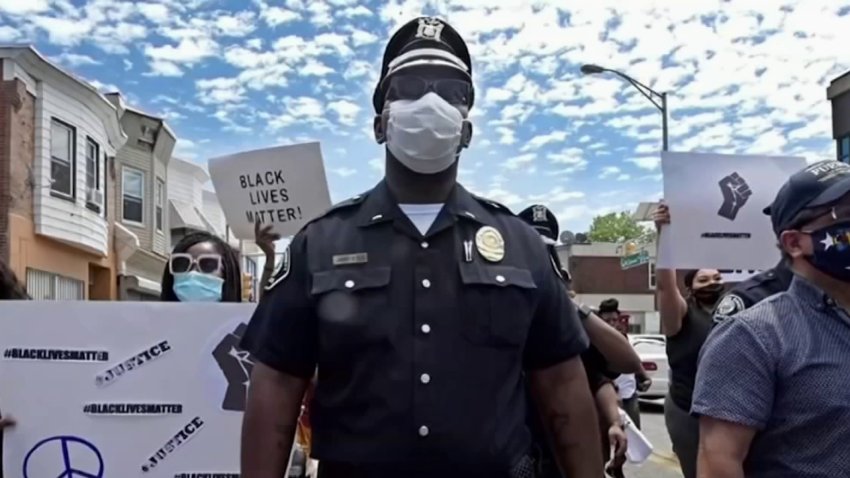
[[773, 385]]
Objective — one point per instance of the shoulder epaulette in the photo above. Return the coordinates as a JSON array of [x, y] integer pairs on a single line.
[[492, 204], [350, 202]]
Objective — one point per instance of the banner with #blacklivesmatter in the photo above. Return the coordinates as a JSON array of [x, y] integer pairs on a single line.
[[122, 389]]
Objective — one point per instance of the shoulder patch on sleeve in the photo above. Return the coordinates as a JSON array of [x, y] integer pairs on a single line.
[[281, 271], [730, 305]]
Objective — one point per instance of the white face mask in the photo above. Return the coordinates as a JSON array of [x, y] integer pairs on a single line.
[[424, 134]]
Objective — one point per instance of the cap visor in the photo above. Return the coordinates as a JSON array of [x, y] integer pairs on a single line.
[[832, 194]]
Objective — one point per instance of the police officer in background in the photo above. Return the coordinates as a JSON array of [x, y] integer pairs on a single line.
[[421, 305], [749, 292], [609, 354]]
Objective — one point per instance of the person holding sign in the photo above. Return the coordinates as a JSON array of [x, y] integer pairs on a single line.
[[773, 392], [422, 305], [202, 268], [686, 321]]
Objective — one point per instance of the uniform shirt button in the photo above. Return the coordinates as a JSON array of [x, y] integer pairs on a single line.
[[426, 329], [426, 283], [349, 284], [424, 245], [500, 279], [425, 378], [424, 431]]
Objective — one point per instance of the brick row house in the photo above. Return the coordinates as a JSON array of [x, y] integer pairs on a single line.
[[85, 209], [58, 140]]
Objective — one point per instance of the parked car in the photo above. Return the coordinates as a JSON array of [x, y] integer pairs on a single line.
[[652, 350]]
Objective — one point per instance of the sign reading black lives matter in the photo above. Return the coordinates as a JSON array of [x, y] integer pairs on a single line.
[[283, 186], [716, 203], [141, 390]]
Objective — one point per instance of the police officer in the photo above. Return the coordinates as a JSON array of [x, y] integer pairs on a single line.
[[749, 292], [421, 305], [606, 343]]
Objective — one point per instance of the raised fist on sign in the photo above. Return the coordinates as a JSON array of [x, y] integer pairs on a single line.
[[736, 192]]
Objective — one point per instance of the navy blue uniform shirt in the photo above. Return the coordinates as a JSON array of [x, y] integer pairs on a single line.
[[781, 368], [420, 342]]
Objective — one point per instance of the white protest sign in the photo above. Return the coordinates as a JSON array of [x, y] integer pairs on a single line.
[[283, 186], [716, 208], [122, 389]]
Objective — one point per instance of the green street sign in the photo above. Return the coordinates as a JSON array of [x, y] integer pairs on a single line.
[[634, 260]]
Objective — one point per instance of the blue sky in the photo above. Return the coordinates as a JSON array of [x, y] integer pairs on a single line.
[[236, 75]]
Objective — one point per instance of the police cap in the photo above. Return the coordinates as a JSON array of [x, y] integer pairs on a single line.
[[542, 220], [423, 41], [818, 185]]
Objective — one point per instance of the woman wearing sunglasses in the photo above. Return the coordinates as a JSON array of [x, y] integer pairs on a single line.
[[202, 268]]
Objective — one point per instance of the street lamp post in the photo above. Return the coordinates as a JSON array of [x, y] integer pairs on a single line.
[[649, 93]]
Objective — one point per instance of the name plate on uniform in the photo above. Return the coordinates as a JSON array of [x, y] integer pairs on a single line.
[[350, 259]]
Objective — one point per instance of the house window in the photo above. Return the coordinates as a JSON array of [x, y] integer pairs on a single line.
[[63, 140], [160, 200], [133, 191], [651, 269], [43, 285], [844, 149], [94, 197]]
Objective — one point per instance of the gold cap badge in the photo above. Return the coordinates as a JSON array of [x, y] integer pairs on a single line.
[[490, 244]]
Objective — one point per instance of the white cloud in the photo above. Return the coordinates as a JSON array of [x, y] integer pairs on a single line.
[[275, 16], [74, 60], [315, 68], [360, 38], [358, 11], [649, 163], [346, 111], [609, 171], [542, 140], [128, 65], [519, 161], [187, 51], [237, 25], [8, 34], [343, 172], [155, 12], [23, 7], [164, 68], [63, 31]]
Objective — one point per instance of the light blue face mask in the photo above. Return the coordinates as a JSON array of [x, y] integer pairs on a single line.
[[197, 287]]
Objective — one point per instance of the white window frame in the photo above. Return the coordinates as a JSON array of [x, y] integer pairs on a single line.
[[159, 206], [95, 162], [124, 171], [72, 159]]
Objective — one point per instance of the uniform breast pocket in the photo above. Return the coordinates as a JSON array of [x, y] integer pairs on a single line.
[[350, 304], [498, 303]]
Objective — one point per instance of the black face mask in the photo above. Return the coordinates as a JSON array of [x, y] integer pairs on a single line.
[[709, 295]]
